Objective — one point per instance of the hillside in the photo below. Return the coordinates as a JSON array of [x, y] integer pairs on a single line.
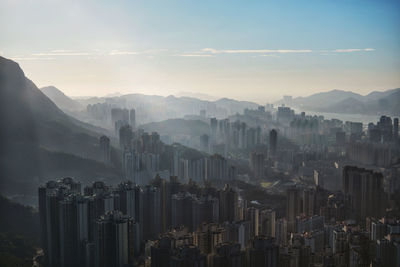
[[60, 99], [32, 127], [18, 242]]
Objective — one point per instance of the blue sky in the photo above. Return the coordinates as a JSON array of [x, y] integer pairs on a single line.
[[254, 50]]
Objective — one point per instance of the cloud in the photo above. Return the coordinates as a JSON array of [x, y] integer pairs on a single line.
[[254, 51], [31, 58], [353, 50], [150, 51], [120, 53], [62, 54], [268, 55], [195, 55], [61, 51]]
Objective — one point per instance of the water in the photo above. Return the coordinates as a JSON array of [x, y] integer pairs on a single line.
[[365, 119]]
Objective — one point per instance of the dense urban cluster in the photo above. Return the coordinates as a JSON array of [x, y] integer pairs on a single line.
[[339, 181]]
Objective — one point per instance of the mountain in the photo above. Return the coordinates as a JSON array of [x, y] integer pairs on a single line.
[[348, 105], [375, 103], [375, 95], [60, 99], [235, 106], [324, 99], [338, 101], [197, 95], [36, 136], [154, 108]]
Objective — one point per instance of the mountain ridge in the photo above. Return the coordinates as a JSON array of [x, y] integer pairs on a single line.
[[60, 99], [340, 101], [36, 132]]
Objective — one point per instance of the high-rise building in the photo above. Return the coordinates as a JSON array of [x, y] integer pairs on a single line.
[[264, 253], [257, 164], [217, 167], [252, 215], [151, 210], [309, 202], [267, 223], [129, 199], [273, 142], [182, 210], [105, 149], [118, 114], [167, 246], [205, 143], [364, 193], [188, 255], [293, 207], [114, 241], [238, 232], [213, 127], [340, 138], [386, 127], [68, 230], [160, 253], [132, 118], [58, 221], [396, 129], [208, 236], [125, 136], [229, 254], [228, 204], [281, 231]]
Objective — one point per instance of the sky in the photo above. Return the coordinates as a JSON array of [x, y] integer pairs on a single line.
[[249, 50]]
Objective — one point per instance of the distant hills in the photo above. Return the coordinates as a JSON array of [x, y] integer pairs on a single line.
[[38, 141], [61, 100], [153, 108], [339, 101], [197, 95]]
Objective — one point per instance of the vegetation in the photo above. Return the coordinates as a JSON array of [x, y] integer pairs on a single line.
[[19, 234]]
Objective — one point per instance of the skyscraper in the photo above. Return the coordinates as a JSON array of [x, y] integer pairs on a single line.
[[267, 223], [364, 193], [208, 236], [228, 204], [264, 253], [257, 164], [188, 255], [125, 136], [273, 142], [252, 215], [229, 254], [132, 118], [151, 210], [293, 207], [59, 222], [105, 148], [396, 129], [204, 142], [114, 241]]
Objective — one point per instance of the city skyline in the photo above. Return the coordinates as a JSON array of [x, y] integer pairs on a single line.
[[199, 133], [257, 51]]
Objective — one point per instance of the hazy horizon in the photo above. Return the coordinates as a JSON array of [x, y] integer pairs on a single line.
[[256, 52]]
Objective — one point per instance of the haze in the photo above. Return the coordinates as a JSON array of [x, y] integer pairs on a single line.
[[252, 51]]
